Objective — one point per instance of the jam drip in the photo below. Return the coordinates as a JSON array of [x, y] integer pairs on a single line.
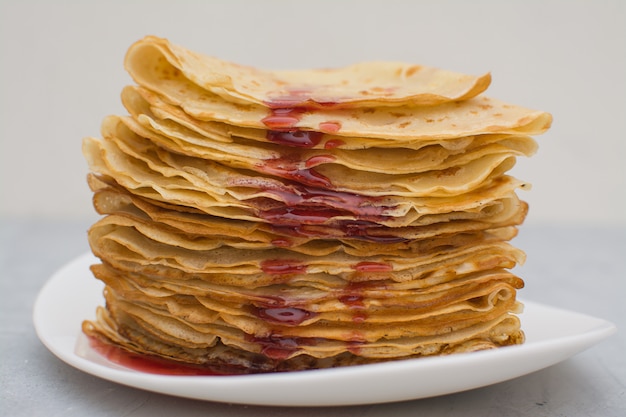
[[281, 124], [308, 205], [156, 365], [288, 316], [294, 216], [281, 242], [291, 168], [286, 111], [353, 298], [355, 347], [277, 310], [311, 200], [280, 348], [298, 97], [283, 267], [330, 127], [284, 119], [359, 230], [372, 267], [333, 143], [296, 138]]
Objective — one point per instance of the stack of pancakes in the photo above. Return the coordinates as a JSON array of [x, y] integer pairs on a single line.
[[258, 221]]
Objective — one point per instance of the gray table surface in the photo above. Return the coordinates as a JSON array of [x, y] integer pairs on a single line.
[[580, 269]]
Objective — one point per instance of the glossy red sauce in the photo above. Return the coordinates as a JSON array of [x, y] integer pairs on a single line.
[[330, 127], [290, 136], [289, 169], [355, 341], [353, 298], [154, 364], [319, 160], [372, 267], [312, 200], [334, 143], [283, 266], [281, 242], [278, 347], [287, 110], [278, 353], [360, 229], [359, 317], [296, 216], [352, 295], [348, 229], [300, 195], [288, 316], [283, 118], [355, 347], [309, 205]]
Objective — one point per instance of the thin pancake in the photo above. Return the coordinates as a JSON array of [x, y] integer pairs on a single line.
[[370, 83]]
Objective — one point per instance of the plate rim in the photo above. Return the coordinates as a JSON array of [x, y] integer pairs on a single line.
[[229, 388]]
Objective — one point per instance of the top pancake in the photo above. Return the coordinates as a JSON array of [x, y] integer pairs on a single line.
[[436, 105], [359, 85]]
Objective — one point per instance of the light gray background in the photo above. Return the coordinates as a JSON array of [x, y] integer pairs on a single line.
[[61, 73]]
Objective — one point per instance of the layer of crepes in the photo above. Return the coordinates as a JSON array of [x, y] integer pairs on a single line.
[[140, 101], [110, 198], [449, 118], [480, 115], [125, 332], [133, 245], [257, 221], [149, 171], [156, 62], [125, 141], [339, 168], [312, 247], [190, 315]]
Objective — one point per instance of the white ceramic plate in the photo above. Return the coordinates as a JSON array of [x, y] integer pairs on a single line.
[[553, 335]]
